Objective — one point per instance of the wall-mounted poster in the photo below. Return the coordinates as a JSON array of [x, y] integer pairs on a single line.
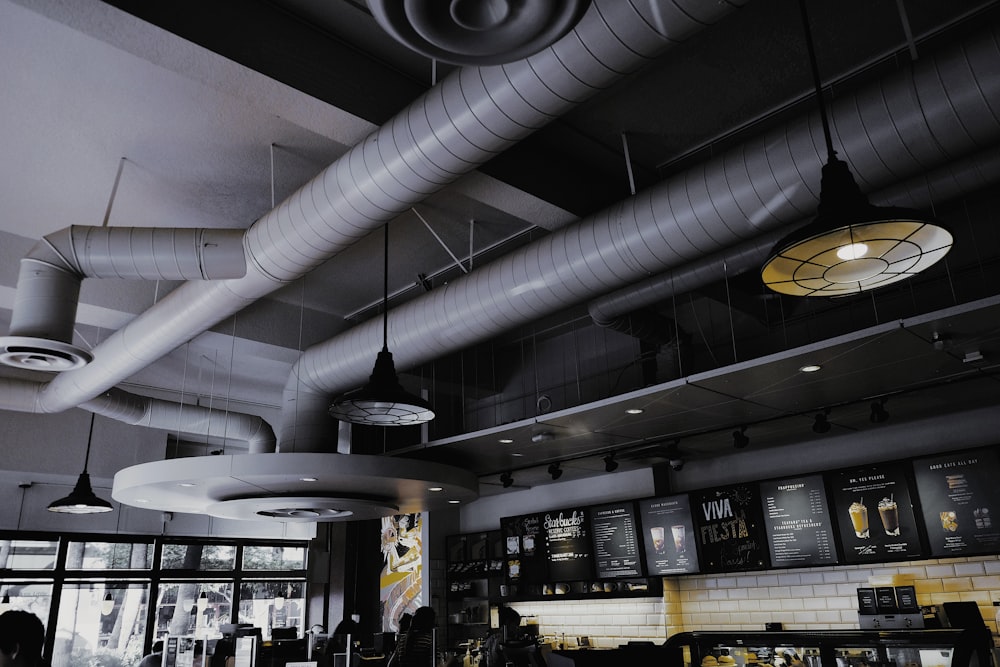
[[616, 541], [729, 525], [401, 578], [797, 519], [871, 506], [960, 500], [668, 533]]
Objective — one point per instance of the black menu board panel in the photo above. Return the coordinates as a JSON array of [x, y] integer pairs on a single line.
[[668, 534], [797, 521], [729, 526], [874, 516], [616, 541], [567, 539], [525, 560], [548, 547], [960, 501]]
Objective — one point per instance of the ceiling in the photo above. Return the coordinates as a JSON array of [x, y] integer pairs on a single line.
[[162, 114]]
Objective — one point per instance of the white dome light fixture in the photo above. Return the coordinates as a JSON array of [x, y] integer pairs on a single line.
[[383, 401], [851, 246]]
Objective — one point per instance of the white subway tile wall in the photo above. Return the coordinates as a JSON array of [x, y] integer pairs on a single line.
[[818, 598]]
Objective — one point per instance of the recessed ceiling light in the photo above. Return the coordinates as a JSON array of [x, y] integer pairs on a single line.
[[142, 500], [517, 454], [634, 411], [436, 488], [454, 502], [810, 368], [187, 484], [307, 479], [506, 441]]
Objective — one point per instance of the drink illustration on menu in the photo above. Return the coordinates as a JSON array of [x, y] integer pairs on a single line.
[[874, 514]]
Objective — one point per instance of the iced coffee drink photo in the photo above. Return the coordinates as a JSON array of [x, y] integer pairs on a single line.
[[859, 518], [889, 514]]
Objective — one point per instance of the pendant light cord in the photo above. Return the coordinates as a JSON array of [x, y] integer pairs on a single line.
[[830, 153], [385, 291], [90, 437]]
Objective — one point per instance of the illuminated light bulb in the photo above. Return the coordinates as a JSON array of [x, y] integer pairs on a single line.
[[852, 251]]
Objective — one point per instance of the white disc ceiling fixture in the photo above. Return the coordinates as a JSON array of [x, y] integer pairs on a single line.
[[851, 246], [477, 32]]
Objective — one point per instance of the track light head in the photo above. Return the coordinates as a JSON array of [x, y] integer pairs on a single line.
[[740, 438], [610, 465], [555, 471], [879, 414], [507, 479], [677, 464], [821, 425]]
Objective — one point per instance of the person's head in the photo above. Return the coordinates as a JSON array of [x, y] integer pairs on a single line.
[[22, 636], [405, 619], [509, 618], [423, 620]]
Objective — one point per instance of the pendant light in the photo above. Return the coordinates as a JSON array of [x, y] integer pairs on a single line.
[[383, 401], [108, 604], [851, 246], [82, 500]]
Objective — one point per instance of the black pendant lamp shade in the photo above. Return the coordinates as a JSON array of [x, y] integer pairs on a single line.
[[82, 499], [383, 401], [851, 246]]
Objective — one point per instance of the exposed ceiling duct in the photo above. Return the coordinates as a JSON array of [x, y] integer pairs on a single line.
[[428, 146], [468, 118], [967, 174], [751, 189]]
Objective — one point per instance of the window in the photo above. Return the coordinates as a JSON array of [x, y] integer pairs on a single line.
[[273, 604], [109, 556], [193, 608], [101, 623], [274, 558], [103, 603], [198, 557], [28, 554]]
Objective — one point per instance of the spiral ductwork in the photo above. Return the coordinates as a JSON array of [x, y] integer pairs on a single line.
[[765, 184], [48, 283], [965, 175], [464, 121]]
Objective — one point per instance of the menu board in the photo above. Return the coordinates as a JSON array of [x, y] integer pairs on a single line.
[[567, 540], [798, 522], [730, 528], [616, 541], [547, 547], [873, 512], [960, 499], [669, 535], [525, 558]]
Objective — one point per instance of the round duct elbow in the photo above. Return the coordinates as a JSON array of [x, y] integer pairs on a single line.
[[477, 32]]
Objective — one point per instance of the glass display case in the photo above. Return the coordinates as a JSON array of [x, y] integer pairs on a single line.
[[831, 648]]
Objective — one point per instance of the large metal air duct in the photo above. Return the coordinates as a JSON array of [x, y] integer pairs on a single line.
[[945, 106], [468, 118]]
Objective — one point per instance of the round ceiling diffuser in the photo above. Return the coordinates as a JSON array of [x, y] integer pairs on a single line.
[[477, 32]]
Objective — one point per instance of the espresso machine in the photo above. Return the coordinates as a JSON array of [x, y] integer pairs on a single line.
[[889, 608]]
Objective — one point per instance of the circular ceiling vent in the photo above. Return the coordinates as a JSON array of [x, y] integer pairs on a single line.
[[477, 32], [304, 508], [42, 354]]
